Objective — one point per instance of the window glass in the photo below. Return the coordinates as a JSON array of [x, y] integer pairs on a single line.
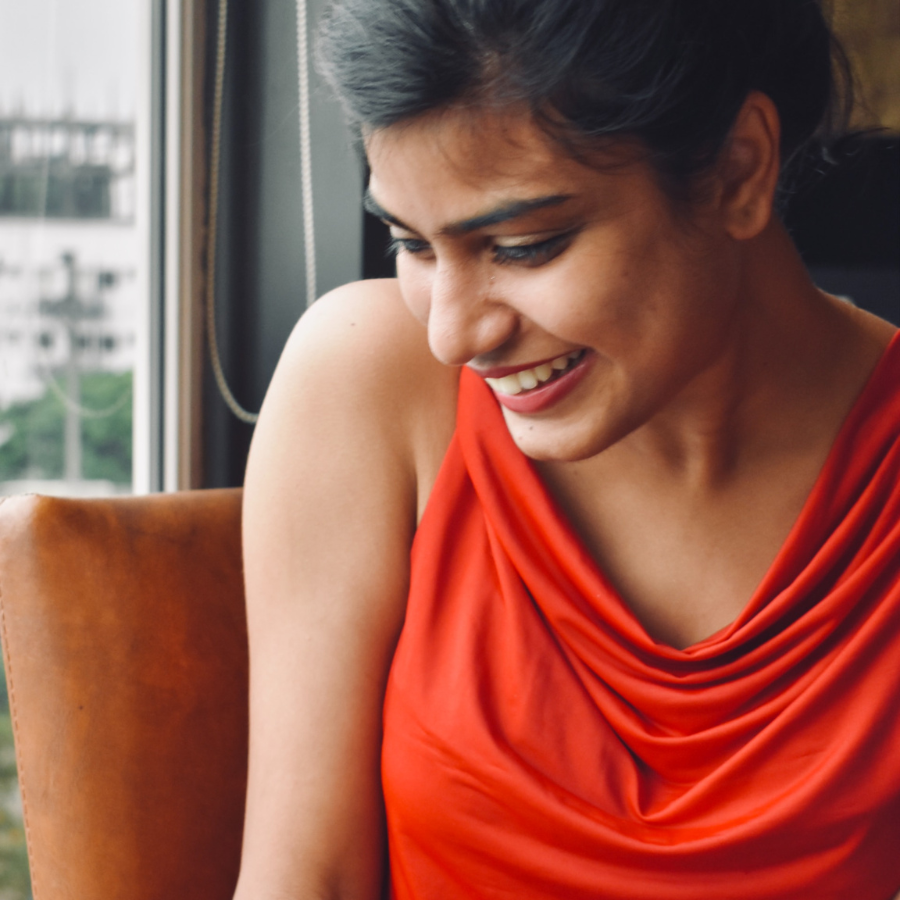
[[71, 272], [74, 87]]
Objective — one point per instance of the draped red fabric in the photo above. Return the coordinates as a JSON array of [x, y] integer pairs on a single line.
[[539, 744]]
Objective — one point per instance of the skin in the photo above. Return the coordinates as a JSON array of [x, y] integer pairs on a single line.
[[719, 379]]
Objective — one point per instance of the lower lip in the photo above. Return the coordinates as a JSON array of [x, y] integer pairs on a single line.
[[540, 398]]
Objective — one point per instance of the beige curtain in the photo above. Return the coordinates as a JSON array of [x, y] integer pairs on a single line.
[[870, 30]]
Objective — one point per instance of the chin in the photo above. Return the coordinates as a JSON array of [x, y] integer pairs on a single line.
[[545, 442]]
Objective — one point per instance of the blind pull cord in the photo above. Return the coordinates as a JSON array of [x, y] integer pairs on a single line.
[[305, 186]]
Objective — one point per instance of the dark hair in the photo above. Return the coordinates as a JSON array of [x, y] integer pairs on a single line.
[[672, 73]]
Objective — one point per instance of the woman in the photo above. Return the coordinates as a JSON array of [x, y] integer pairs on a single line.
[[576, 549]]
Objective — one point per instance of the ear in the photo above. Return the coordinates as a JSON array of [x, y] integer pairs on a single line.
[[748, 168]]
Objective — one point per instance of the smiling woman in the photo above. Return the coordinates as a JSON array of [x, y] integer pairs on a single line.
[[602, 593], [642, 294]]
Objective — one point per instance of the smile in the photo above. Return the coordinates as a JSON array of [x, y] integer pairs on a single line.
[[541, 386], [529, 379]]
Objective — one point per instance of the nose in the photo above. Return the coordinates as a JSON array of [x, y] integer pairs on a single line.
[[467, 316]]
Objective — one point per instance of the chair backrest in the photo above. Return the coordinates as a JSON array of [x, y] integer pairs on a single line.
[[125, 647]]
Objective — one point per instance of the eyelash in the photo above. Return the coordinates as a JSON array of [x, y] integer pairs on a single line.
[[407, 245], [535, 254]]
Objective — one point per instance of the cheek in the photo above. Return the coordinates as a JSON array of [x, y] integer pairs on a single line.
[[415, 287], [584, 300], [631, 302]]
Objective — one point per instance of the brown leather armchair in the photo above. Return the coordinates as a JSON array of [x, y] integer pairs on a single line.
[[125, 647]]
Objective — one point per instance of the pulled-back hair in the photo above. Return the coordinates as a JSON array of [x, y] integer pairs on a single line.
[[671, 73]]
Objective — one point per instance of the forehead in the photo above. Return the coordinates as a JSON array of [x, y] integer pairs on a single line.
[[457, 164], [496, 143]]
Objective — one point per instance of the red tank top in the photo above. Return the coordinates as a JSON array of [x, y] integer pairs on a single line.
[[539, 744]]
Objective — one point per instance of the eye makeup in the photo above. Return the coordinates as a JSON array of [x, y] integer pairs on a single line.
[[530, 254]]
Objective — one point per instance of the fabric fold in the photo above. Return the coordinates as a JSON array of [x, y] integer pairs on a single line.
[[539, 743]]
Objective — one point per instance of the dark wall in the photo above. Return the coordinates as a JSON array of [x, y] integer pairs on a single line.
[[260, 268], [846, 222]]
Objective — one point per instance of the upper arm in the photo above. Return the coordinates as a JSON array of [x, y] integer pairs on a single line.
[[329, 515]]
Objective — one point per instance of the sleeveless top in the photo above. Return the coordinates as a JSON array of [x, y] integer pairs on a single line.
[[539, 744]]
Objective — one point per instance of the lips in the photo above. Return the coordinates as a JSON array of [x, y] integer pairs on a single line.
[[532, 389], [528, 379]]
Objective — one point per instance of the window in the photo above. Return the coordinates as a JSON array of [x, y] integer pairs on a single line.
[[73, 262], [75, 266]]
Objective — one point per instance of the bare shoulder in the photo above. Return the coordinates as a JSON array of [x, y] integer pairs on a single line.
[[356, 317], [877, 332], [356, 415], [863, 338], [355, 422], [358, 356], [333, 477]]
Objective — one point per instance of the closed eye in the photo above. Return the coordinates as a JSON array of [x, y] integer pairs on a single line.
[[535, 254], [408, 245], [531, 255]]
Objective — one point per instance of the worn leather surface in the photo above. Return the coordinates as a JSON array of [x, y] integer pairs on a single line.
[[125, 648]]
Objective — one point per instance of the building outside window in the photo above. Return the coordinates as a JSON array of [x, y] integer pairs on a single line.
[[68, 302], [71, 279], [73, 272]]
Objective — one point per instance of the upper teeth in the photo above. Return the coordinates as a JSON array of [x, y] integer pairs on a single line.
[[531, 378]]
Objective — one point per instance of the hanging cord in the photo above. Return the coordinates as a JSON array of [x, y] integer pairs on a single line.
[[45, 374], [305, 186], [82, 411], [213, 229], [309, 234]]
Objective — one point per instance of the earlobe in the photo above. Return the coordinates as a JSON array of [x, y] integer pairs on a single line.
[[749, 168]]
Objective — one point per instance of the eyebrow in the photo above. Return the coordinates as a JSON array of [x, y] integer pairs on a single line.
[[504, 213]]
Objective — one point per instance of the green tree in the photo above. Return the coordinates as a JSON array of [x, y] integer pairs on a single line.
[[31, 433], [106, 440]]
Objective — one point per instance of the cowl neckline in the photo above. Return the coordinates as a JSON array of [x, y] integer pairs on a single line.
[[539, 743], [806, 553]]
